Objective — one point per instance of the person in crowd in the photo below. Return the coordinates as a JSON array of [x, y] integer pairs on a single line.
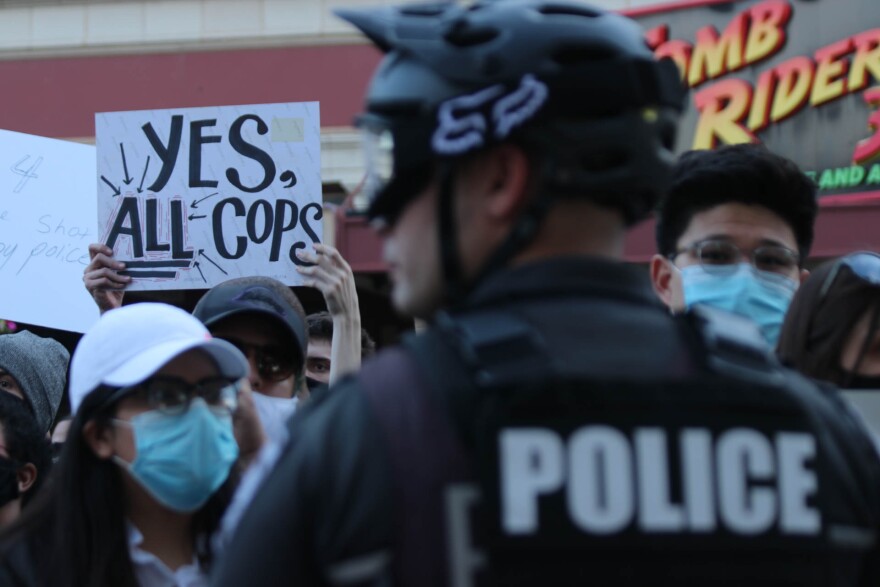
[[831, 330], [338, 349], [34, 369], [264, 319], [319, 362], [733, 232], [146, 470], [555, 424], [25, 458], [326, 271], [260, 315]]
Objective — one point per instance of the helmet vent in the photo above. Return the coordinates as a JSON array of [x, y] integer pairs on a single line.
[[605, 160], [568, 10], [471, 36], [574, 55], [424, 9]]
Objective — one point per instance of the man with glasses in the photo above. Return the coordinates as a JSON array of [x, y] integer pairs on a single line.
[[264, 319], [266, 322], [733, 232]]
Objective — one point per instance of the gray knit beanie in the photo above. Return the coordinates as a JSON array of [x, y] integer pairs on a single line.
[[39, 365]]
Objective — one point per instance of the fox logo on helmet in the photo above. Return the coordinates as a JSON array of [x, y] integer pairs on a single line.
[[463, 124]]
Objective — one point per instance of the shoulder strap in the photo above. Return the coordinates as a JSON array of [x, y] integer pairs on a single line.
[[731, 345], [463, 354]]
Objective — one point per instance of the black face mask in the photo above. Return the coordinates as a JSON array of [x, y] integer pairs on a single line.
[[857, 381], [8, 480], [313, 384]]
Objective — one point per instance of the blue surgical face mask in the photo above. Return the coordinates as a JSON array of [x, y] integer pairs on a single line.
[[760, 295], [182, 459]]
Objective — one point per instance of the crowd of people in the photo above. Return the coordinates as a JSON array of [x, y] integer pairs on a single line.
[[564, 417]]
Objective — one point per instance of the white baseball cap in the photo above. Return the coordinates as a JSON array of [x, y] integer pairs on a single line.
[[129, 344]]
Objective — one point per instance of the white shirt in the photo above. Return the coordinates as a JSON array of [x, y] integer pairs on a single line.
[[152, 572]]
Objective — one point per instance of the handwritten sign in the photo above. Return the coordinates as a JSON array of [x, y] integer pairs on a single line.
[[47, 220], [190, 198]]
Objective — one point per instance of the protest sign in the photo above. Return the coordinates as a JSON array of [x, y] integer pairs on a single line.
[[47, 220], [189, 198]]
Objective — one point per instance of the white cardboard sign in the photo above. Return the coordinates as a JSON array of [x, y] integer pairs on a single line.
[[47, 220], [189, 198]]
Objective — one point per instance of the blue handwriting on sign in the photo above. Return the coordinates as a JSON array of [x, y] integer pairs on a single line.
[[26, 174]]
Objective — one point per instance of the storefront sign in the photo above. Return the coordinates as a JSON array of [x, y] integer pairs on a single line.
[[801, 76], [189, 198]]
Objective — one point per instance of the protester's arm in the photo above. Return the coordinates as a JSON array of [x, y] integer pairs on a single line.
[[332, 275], [102, 280], [325, 511]]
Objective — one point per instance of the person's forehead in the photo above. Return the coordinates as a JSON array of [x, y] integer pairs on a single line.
[[319, 348], [745, 225]]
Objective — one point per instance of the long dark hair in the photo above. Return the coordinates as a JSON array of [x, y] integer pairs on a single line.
[[75, 530], [821, 318]]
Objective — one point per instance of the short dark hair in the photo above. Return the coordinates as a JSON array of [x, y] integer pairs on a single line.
[[321, 328], [819, 323], [25, 442], [741, 174]]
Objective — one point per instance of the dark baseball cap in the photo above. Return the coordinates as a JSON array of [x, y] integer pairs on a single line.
[[255, 295]]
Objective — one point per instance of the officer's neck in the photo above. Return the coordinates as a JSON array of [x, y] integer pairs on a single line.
[[577, 229]]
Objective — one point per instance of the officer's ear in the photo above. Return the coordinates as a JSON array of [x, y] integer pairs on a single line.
[[501, 174], [663, 280]]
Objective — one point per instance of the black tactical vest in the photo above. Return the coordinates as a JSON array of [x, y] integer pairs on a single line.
[[741, 473]]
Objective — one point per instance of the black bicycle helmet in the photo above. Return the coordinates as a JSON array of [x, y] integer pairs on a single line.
[[575, 84]]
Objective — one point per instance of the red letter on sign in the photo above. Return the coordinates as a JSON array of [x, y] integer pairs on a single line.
[[870, 148]]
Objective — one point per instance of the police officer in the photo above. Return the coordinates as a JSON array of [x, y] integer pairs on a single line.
[[555, 425]]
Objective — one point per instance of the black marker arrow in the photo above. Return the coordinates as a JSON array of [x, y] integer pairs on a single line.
[[196, 265], [194, 206], [211, 261], [144, 176], [116, 190], [194, 217], [127, 179]]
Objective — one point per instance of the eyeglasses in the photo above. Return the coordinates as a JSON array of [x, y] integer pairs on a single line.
[[172, 395], [864, 265], [274, 363], [721, 255]]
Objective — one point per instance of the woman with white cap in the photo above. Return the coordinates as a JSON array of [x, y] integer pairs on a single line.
[[145, 476]]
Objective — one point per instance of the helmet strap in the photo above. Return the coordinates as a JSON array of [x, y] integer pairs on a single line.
[[449, 259]]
